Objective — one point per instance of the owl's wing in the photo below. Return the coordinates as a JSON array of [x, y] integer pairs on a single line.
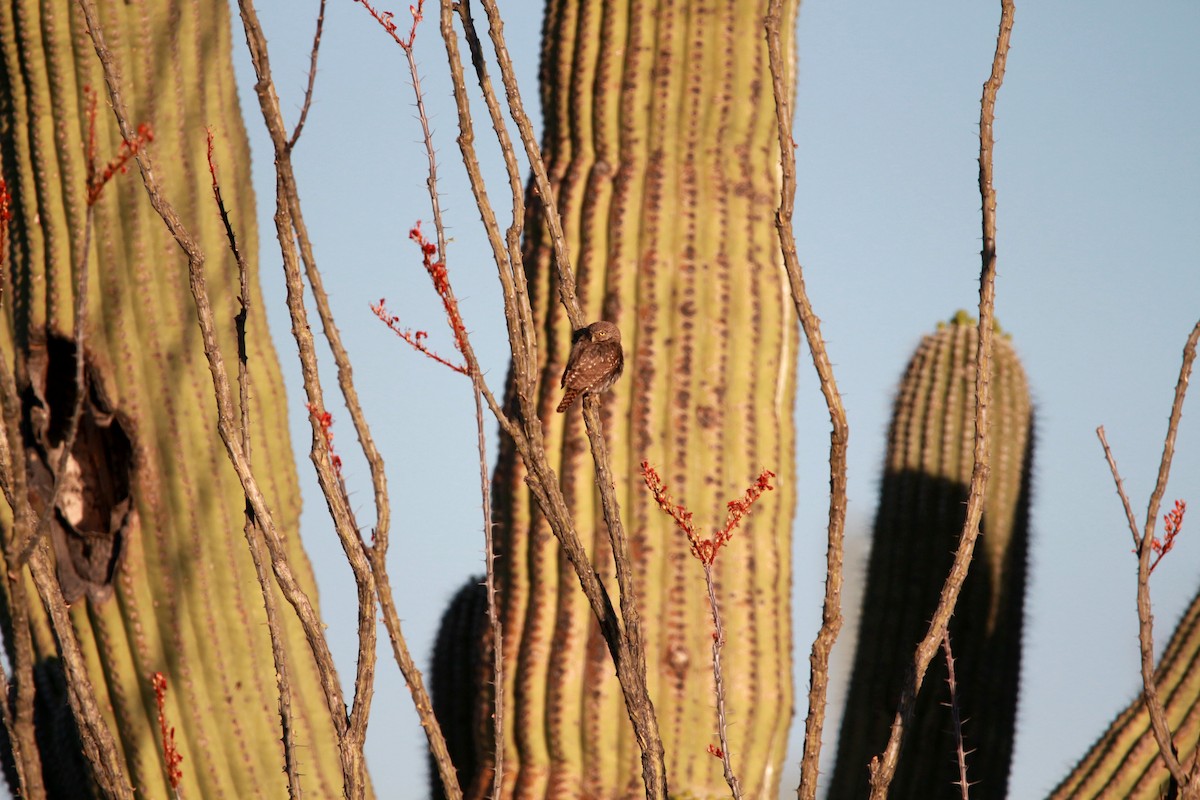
[[572, 361]]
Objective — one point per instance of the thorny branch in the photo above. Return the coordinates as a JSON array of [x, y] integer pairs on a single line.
[[883, 766], [251, 529], [1183, 779], [831, 614], [18, 706], [312, 78], [960, 750]]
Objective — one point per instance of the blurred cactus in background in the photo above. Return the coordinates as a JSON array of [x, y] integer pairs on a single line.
[[920, 516]]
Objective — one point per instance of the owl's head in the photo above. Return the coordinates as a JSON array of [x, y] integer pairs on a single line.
[[604, 331]]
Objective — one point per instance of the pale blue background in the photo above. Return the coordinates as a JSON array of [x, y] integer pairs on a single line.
[[1097, 174]]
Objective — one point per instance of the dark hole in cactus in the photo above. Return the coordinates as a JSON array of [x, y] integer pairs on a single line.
[[91, 513]]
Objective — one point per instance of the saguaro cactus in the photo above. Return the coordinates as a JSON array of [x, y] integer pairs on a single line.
[[921, 512], [1124, 762], [174, 592], [660, 140]]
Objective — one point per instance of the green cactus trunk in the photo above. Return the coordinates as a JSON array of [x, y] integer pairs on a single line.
[[183, 600], [921, 511], [661, 145], [1125, 761]]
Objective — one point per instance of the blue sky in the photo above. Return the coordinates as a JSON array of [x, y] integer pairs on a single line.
[[1096, 167]]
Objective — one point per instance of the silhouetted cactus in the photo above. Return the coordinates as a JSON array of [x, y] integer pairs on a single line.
[[920, 516], [183, 600], [459, 675]]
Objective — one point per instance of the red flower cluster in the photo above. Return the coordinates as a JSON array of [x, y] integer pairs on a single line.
[[441, 285], [706, 549], [388, 21], [97, 178], [1172, 522], [5, 218], [171, 756], [325, 420]]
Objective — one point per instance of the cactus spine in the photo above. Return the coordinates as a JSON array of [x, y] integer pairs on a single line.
[[185, 600], [920, 516], [661, 146]]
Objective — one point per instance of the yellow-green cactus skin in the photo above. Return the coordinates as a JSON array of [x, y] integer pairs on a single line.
[[182, 598]]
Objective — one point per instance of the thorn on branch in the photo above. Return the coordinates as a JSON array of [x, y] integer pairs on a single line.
[[229, 234]]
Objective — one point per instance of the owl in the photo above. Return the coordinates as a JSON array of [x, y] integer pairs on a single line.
[[595, 363]]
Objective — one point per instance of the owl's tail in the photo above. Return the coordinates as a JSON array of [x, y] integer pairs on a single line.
[[567, 400]]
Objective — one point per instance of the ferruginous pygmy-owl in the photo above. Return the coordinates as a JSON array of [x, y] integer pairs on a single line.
[[595, 363]]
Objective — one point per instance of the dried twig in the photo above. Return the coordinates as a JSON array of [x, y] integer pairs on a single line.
[[16, 703], [831, 614], [735, 786], [251, 529], [26, 756], [1183, 778], [506, 249], [883, 766], [312, 78], [295, 245], [485, 493], [541, 178], [706, 551], [960, 749]]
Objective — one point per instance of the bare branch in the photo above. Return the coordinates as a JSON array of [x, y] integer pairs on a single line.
[[960, 749], [735, 786], [831, 614], [626, 651], [26, 756], [883, 767], [1112, 465], [485, 494], [541, 178], [1183, 778], [1164, 467], [312, 79], [251, 529], [506, 250]]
